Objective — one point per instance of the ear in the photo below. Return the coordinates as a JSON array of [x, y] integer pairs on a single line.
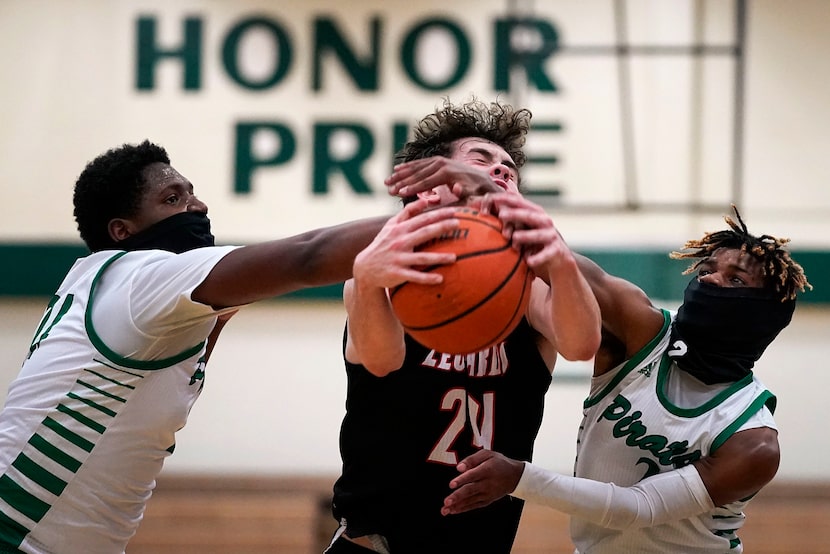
[[119, 229], [431, 195]]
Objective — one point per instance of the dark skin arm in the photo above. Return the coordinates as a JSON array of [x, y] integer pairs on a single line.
[[277, 267], [214, 334], [746, 462], [629, 319], [315, 258]]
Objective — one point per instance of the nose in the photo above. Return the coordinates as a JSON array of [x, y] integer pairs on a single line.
[[196, 205], [501, 171]]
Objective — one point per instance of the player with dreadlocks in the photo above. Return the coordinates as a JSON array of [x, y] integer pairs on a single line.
[[780, 271], [678, 433]]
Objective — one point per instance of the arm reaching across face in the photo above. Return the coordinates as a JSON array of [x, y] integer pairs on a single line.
[[260, 271], [315, 258]]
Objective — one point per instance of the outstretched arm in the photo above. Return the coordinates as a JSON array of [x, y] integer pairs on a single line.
[[259, 271], [315, 258], [741, 467], [674, 495], [375, 336]]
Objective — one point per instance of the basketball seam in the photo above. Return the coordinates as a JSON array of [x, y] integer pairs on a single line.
[[476, 306], [509, 323], [459, 257], [468, 217]]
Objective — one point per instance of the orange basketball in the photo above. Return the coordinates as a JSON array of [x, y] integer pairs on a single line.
[[482, 298]]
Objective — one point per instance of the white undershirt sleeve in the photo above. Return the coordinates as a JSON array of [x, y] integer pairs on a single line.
[[669, 496]]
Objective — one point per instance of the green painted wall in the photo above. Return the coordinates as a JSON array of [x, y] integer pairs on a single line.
[[37, 269]]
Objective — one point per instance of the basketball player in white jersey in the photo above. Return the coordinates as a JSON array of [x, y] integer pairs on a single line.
[[119, 356], [677, 433]]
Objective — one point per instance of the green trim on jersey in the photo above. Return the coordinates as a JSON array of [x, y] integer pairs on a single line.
[[112, 355], [632, 363], [766, 398], [719, 398]]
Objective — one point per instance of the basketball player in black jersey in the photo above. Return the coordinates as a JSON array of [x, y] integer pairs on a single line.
[[411, 413]]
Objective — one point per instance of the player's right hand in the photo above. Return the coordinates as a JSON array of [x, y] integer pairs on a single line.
[[486, 476]]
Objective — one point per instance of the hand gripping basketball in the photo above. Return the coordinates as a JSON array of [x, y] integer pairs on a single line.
[[483, 296]]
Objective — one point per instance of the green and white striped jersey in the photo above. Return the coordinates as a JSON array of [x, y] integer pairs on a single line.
[[111, 374]]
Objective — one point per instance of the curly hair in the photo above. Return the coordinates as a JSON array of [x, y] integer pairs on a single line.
[[781, 273], [499, 123], [111, 186]]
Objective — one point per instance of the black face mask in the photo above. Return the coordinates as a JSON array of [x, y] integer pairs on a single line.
[[720, 332], [177, 233]]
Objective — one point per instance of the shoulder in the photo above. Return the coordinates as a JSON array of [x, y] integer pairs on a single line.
[[208, 255]]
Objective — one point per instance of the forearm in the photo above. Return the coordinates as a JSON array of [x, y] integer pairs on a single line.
[[375, 336], [315, 258], [574, 312], [327, 255], [670, 496]]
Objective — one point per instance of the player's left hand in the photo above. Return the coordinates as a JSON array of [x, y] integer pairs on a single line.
[[486, 476]]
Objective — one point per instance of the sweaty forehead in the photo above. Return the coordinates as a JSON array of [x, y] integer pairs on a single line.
[[160, 175]]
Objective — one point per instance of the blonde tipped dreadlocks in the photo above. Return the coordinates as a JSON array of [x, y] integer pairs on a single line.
[[781, 272]]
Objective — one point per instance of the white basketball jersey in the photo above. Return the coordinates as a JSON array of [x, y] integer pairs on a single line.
[[91, 417], [633, 427]]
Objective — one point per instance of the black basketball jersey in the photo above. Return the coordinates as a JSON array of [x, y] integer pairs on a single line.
[[404, 433]]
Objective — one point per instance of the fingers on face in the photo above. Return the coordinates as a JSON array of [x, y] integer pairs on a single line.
[[417, 175]]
